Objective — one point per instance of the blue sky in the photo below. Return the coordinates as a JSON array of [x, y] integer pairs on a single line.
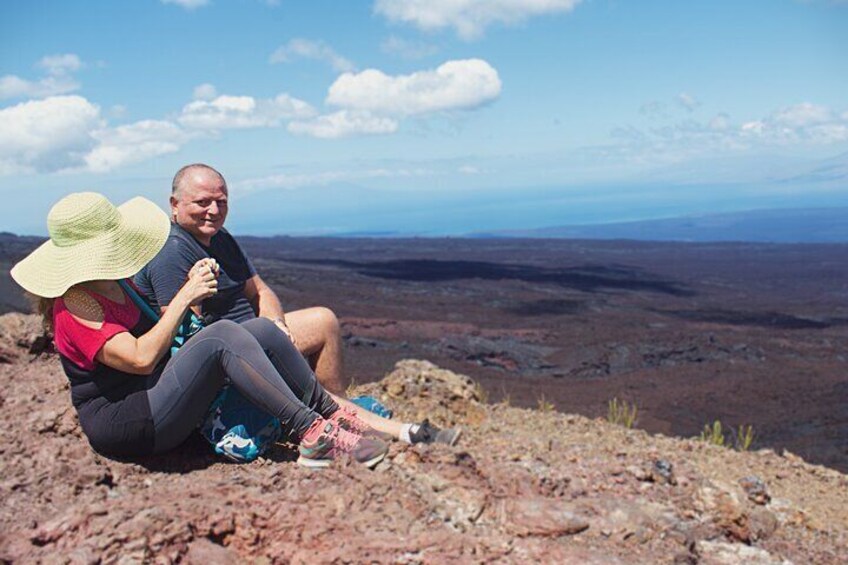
[[427, 116]]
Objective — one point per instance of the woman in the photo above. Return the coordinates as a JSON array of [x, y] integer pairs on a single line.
[[131, 396]]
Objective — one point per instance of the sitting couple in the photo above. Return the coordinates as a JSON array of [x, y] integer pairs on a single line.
[[132, 396]]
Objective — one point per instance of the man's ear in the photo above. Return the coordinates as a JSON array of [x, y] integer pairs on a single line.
[[174, 208]]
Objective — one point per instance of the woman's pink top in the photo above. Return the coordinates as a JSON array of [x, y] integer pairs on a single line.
[[80, 343]]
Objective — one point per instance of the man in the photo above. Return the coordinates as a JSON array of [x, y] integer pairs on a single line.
[[199, 203]]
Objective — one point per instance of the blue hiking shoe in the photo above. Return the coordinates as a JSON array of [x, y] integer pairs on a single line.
[[373, 405]]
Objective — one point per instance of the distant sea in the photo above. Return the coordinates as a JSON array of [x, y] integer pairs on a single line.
[[810, 225], [813, 225]]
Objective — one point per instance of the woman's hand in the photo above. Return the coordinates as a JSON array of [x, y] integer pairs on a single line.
[[202, 281]]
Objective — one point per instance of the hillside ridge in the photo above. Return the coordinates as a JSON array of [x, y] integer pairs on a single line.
[[521, 485]]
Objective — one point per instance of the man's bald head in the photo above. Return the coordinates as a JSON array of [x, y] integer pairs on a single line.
[[182, 178]]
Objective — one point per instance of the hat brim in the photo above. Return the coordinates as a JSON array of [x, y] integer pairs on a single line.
[[51, 270]]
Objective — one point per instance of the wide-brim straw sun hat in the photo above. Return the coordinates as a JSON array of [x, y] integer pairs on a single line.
[[91, 239]]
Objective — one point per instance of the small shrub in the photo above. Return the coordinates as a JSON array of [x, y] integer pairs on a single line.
[[545, 405], [740, 438], [621, 413], [744, 438], [713, 434]]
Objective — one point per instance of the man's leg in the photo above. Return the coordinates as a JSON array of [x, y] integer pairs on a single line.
[[318, 337]]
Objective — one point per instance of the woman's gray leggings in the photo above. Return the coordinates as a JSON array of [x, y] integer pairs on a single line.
[[257, 359]]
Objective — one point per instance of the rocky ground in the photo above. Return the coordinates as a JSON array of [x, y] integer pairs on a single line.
[[522, 485]]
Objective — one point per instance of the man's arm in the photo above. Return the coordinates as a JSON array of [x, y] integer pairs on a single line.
[[266, 303], [165, 275]]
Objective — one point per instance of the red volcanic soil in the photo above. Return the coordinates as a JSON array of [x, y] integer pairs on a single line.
[[692, 333]]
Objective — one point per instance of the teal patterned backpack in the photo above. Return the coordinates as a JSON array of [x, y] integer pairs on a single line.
[[237, 429]]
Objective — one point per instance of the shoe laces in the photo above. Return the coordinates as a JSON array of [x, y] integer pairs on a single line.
[[315, 431], [345, 440], [348, 417], [351, 416]]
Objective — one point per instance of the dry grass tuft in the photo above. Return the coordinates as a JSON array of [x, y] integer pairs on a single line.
[[621, 413]]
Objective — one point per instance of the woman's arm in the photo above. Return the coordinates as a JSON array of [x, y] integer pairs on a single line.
[[140, 355]]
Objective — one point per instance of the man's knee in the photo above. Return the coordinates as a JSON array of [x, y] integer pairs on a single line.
[[327, 321]]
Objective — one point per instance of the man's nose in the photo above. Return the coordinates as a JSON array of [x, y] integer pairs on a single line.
[[213, 209]]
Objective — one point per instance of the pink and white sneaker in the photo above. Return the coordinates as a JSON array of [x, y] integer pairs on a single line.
[[325, 440]]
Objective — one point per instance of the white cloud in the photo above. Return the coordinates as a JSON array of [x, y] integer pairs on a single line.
[[468, 170], [68, 133], [293, 181], [133, 143], [828, 133], [752, 128], [187, 4], [306, 49], [394, 45], [205, 91], [344, 123], [12, 86], [688, 101], [469, 18], [371, 101], [232, 112], [60, 64], [800, 125], [803, 115], [455, 85], [58, 79], [804, 123], [47, 135]]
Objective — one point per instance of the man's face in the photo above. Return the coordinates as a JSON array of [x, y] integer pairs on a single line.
[[201, 206]]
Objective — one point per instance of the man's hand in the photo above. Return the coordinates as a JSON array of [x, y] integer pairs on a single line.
[[266, 304], [281, 323]]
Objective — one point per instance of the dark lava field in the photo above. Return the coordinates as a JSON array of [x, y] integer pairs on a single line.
[[753, 334]]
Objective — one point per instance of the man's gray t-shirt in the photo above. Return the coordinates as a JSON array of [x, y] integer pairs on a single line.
[[163, 277]]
